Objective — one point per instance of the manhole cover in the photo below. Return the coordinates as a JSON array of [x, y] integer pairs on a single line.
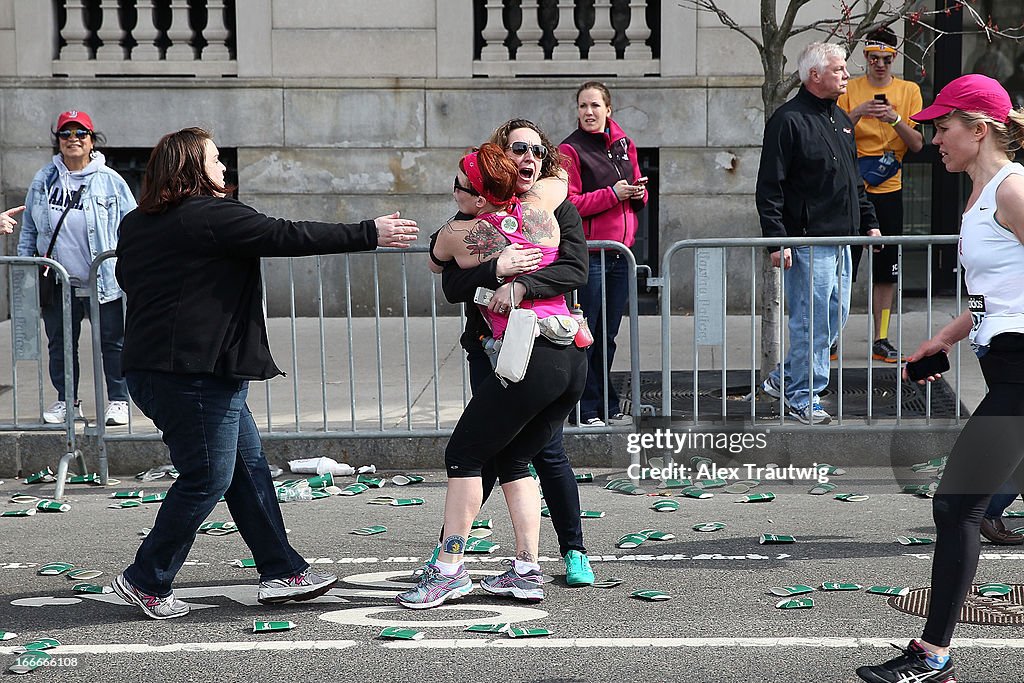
[[1004, 611]]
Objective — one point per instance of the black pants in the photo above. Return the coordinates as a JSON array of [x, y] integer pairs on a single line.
[[561, 492], [988, 452], [508, 426]]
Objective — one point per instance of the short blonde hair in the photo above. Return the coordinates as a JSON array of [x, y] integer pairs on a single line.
[[816, 56], [1009, 134]]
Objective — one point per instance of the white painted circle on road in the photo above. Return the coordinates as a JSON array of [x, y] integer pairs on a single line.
[[501, 614], [46, 601]]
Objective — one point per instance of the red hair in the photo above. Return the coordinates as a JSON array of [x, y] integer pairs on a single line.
[[491, 173]]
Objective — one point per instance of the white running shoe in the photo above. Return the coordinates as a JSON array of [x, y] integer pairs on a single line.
[[304, 586], [57, 413], [117, 413]]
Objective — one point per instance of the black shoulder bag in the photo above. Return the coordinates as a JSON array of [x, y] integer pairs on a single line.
[[48, 278]]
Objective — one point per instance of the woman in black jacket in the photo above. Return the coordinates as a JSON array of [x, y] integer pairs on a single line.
[[195, 335]]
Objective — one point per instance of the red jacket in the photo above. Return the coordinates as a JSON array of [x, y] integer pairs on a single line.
[[595, 162]]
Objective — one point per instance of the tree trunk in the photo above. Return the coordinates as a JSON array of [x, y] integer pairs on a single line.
[[773, 96]]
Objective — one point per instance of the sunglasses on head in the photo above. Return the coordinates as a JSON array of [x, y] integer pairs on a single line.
[[884, 59], [519, 149], [467, 190], [79, 133]]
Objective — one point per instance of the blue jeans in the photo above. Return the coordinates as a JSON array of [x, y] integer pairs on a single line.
[[561, 492], [831, 272], [111, 339], [604, 325], [1001, 500], [216, 449]]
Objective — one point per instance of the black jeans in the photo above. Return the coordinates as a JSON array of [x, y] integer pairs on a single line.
[[111, 324], [543, 437], [988, 452], [561, 493]]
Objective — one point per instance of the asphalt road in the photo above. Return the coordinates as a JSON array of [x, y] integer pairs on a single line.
[[720, 625]]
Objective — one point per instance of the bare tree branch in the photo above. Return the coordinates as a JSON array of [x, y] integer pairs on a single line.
[[711, 7], [790, 16]]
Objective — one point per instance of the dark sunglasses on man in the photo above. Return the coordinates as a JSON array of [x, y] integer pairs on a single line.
[[467, 190], [79, 133], [519, 149]]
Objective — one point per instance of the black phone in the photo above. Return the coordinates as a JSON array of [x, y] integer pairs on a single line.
[[880, 97], [929, 365]]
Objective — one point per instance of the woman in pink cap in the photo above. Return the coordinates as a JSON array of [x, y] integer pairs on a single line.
[[74, 207], [977, 131], [505, 422]]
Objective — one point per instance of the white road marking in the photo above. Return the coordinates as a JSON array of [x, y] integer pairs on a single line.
[[506, 614], [143, 648], [45, 601], [539, 643], [829, 643], [383, 579], [495, 559]]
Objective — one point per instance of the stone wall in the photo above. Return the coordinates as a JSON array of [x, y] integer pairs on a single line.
[[344, 110]]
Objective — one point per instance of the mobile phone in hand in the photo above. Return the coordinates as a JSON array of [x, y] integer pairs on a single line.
[[929, 365], [483, 296], [880, 97], [642, 180]]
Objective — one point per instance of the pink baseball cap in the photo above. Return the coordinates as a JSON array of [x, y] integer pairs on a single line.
[[972, 93], [73, 116]]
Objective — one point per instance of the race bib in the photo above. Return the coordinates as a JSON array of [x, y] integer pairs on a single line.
[[976, 305]]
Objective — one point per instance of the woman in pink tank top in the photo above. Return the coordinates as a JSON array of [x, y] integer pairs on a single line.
[[504, 424], [485, 188]]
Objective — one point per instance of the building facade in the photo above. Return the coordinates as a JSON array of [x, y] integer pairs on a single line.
[[347, 109]]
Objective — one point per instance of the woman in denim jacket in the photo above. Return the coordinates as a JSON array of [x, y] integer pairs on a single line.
[[90, 228]]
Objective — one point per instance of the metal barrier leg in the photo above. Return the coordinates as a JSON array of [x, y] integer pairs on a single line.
[[62, 471]]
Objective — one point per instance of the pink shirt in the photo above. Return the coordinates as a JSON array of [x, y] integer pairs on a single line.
[[510, 224]]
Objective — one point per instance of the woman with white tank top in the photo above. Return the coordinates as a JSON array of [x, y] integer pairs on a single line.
[[977, 131]]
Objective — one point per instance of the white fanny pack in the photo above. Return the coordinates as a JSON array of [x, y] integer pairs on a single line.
[[516, 346]]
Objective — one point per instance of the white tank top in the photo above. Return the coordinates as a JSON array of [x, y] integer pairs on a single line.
[[993, 259]]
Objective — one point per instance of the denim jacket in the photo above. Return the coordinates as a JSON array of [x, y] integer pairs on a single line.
[[106, 199]]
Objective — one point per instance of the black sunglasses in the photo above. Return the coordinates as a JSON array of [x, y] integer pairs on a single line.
[[468, 190], [79, 133], [519, 149]]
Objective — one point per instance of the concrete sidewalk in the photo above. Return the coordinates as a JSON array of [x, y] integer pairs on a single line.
[[399, 417]]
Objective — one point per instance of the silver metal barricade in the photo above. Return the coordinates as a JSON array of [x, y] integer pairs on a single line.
[[710, 320], [23, 284], [396, 371]]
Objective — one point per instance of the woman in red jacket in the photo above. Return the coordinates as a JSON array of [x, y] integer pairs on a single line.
[[607, 189]]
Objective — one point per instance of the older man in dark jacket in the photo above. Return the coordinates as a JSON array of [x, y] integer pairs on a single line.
[[808, 185]]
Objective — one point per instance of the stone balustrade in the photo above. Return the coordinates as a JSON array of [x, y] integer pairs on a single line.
[[145, 38], [559, 37]]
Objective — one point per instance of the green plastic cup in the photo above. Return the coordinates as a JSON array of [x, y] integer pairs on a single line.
[[47, 505]]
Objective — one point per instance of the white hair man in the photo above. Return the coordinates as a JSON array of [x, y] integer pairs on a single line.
[[808, 185]]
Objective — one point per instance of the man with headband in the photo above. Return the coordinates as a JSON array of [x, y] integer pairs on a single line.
[[880, 105]]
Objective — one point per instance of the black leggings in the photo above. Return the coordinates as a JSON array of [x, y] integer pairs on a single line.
[[557, 480], [988, 452], [510, 425]]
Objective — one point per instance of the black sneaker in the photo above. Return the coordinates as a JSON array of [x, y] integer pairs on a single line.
[[909, 666], [884, 351]]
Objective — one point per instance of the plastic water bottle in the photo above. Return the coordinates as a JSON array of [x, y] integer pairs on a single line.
[[584, 338], [491, 348]]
